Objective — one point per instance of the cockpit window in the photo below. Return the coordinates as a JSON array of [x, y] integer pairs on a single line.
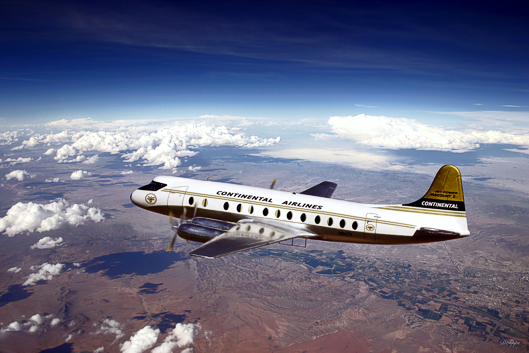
[[153, 186]]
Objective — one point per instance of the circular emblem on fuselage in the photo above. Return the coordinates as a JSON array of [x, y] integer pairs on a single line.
[[150, 199], [370, 227]]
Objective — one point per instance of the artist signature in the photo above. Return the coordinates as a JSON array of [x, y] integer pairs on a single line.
[[510, 343]]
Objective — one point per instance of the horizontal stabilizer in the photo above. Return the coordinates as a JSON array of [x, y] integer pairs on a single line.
[[324, 189]]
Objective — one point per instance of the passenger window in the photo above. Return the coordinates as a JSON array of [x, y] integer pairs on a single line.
[[250, 209], [191, 200], [226, 206], [239, 208], [289, 215], [278, 213], [205, 203], [329, 222], [303, 217], [355, 225], [265, 212], [342, 223], [317, 220]]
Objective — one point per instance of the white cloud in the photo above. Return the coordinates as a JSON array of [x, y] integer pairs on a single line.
[[357, 159], [34, 323], [126, 172], [14, 326], [20, 175], [37, 319], [15, 161], [182, 335], [14, 269], [402, 133], [79, 174], [110, 327], [366, 106], [54, 180], [30, 217], [322, 136], [50, 151], [154, 145], [141, 341], [70, 336], [194, 168], [99, 350], [55, 321], [9, 137], [47, 243], [92, 160], [46, 273]]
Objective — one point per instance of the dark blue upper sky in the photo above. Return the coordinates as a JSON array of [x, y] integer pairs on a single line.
[[278, 59]]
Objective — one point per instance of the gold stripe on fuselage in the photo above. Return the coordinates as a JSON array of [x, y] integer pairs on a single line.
[[290, 208]]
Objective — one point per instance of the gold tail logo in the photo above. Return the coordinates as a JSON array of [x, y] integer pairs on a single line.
[[446, 191]]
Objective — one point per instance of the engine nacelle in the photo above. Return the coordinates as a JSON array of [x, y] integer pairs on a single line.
[[202, 230]]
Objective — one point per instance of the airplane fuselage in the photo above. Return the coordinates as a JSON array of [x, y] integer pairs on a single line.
[[324, 218]]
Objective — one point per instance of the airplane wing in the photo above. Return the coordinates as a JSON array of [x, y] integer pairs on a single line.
[[248, 234], [324, 189]]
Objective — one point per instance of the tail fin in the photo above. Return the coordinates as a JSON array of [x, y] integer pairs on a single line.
[[445, 193]]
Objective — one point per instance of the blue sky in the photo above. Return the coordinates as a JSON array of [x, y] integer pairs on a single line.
[[279, 60]]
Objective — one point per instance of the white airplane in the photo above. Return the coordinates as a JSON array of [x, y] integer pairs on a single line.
[[231, 218]]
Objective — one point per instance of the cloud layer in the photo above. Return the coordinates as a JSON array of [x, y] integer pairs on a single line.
[[402, 133], [30, 217], [152, 146]]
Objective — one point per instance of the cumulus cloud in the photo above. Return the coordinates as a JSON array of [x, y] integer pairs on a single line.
[[14, 269], [153, 146], [79, 174], [30, 217], [182, 335], [194, 168], [34, 324], [92, 160], [110, 327], [54, 180], [15, 161], [20, 175], [9, 137], [46, 273], [141, 341], [126, 172], [402, 133], [47, 243], [99, 349]]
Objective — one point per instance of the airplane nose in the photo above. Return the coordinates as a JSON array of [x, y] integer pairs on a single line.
[[136, 199]]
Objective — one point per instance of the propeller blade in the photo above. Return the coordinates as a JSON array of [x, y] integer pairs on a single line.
[[273, 183], [170, 249], [173, 220], [195, 210]]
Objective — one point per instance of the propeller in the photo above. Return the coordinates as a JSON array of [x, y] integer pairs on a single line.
[[273, 183], [175, 222]]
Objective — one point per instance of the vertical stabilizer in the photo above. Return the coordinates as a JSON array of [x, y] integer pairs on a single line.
[[445, 193]]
